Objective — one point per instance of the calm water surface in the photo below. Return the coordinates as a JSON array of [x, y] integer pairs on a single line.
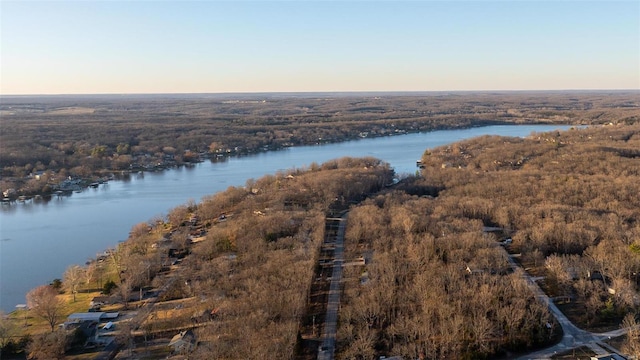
[[39, 240]]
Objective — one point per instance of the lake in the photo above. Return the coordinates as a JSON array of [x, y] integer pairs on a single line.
[[39, 240]]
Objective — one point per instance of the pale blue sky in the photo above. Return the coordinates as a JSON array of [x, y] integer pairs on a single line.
[[56, 47]]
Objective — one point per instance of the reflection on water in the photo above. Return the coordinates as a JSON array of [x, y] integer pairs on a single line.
[[47, 236]]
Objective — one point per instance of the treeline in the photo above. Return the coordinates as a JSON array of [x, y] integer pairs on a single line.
[[92, 136]]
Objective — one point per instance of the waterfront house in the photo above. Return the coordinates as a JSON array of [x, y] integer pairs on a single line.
[[96, 316]]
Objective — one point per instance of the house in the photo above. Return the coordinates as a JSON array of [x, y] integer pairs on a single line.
[[183, 342], [88, 328], [88, 316], [37, 175], [96, 317], [506, 242]]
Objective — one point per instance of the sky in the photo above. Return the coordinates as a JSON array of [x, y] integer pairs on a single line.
[[119, 47]]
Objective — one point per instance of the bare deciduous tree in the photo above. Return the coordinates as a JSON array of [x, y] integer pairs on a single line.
[[73, 276], [48, 346], [632, 344], [44, 302], [88, 273]]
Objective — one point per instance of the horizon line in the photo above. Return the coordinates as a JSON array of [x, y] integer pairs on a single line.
[[325, 92]]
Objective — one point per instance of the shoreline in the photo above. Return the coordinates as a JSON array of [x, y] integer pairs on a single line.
[[178, 203], [79, 184]]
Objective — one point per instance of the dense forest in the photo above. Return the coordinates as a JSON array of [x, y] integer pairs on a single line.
[[46, 140], [436, 287], [439, 286]]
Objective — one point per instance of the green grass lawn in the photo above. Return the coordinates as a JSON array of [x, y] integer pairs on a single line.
[[37, 325]]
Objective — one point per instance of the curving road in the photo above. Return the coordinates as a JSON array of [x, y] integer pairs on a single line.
[[573, 337]]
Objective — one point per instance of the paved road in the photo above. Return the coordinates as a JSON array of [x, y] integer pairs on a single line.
[[328, 347], [573, 337]]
